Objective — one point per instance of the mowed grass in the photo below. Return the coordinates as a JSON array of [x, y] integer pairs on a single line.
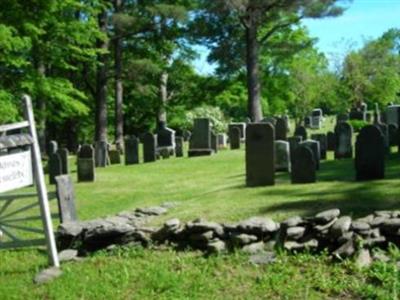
[[213, 188]]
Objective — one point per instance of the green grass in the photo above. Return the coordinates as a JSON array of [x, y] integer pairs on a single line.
[[212, 188]]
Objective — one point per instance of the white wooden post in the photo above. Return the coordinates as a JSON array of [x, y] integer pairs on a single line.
[[41, 186]]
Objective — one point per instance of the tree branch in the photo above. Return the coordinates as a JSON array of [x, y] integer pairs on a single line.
[[277, 27]]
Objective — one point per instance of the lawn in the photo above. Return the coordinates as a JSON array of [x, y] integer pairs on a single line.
[[213, 188]]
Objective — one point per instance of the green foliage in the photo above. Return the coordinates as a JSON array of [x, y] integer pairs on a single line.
[[357, 124], [218, 120], [8, 109]]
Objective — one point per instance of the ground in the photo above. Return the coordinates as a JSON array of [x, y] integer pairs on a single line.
[[213, 188]]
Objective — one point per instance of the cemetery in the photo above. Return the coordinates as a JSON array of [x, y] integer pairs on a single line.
[[126, 173]]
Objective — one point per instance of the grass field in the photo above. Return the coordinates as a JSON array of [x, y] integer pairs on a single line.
[[213, 188]]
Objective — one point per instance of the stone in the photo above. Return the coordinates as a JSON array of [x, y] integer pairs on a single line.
[[222, 140], [304, 166], [294, 142], [271, 120], [380, 256], [55, 167], [343, 117], [216, 247], [234, 138], [323, 143], [295, 246], [295, 233], [260, 155], [152, 211], [357, 114], [330, 141], [363, 259], [301, 131], [214, 142], [47, 275], [63, 153], [324, 227], [316, 118], [258, 226], [315, 148], [385, 133], [203, 237], [86, 164], [263, 258], [327, 216], [66, 198], [115, 156], [341, 226], [242, 128], [131, 150], [343, 134], [293, 221], [282, 156], [345, 250], [393, 135], [101, 154], [200, 226], [307, 122], [179, 146], [370, 154], [281, 129], [243, 239], [186, 135], [393, 115], [68, 255], [254, 248], [52, 148], [149, 147], [165, 140], [360, 226], [200, 141]]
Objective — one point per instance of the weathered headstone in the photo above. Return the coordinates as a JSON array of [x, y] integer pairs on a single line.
[[234, 138], [214, 142], [385, 132], [179, 144], [66, 199], [282, 156], [186, 135], [315, 148], [241, 127], [63, 153], [316, 118], [52, 148], [393, 135], [301, 131], [343, 134], [304, 166], [343, 117], [307, 122], [281, 129], [149, 147], [370, 154], [131, 150], [331, 141], [222, 140], [357, 114], [260, 154], [165, 140], [101, 154], [86, 164], [200, 141], [392, 115], [115, 156], [294, 142], [323, 143], [271, 120], [55, 167]]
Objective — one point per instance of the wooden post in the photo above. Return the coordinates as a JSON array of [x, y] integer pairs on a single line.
[[41, 186]]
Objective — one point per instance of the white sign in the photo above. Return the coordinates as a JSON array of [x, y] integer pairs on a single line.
[[15, 171]]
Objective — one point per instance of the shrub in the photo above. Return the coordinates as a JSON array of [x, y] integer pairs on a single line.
[[358, 124]]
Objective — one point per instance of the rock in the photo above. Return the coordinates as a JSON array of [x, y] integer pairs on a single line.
[[341, 226], [263, 258], [347, 236], [324, 228], [47, 275], [327, 216], [172, 224], [216, 246], [366, 219], [71, 229], [378, 221], [293, 221], [254, 248], [243, 239], [152, 211], [380, 256], [375, 241], [345, 250], [258, 226], [291, 245], [67, 255], [200, 226], [295, 233], [202, 237], [360, 226], [391, 223], [363, 259], [383, 213]]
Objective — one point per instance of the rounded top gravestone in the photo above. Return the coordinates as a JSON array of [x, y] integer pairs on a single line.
[[86, 151], [304, 165], [301, 131], [343, 134], [281, 129]]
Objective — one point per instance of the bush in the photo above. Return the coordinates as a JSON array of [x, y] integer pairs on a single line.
[[215, 114], [358, 124]]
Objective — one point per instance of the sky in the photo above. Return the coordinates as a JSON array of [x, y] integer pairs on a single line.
[[364, 19]]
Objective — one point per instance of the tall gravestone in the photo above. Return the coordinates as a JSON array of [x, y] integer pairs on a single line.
[[343, 140], [200, 141], [282, 156], [101, 154], [330, 141], [52, 148], [281, 129], [370, 154], [323, 143], [165, 140], [179, 145], [393, 135], [304, 166], [214, 142], [149, 147], [55, 167], [260, 154], [316, 118], [63, 153], [86, 164], [234, 138], [131, 150], [294, 142], [114, 156], [66, 199], [241, 127], [315, 148], [301, 131]]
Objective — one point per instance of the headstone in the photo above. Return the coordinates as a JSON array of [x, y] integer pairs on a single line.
[[301, 131], [282, 156], [115, 156], [260, 154], [344, 117], [234, 138], [377, 114], [200, 141], [393, 135], [294, 142], [331, 141], [149, 147], [214, 142], [393, 115], [370, 154], [165, 139], [323, 143], [66, 199], [304, 166], [222, 140], [358, 114], [385, 132], [241, 127], [131, 150], [186, 135], [55, 167], [315, 148], [316, 118], [100, 154], [281, 129], [179, 142], [52, 148], [343, 134], [271, 120], [307, 122], [63, 153], [86, 164]]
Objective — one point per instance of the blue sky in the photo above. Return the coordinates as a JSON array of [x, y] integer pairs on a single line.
[[364, 19]]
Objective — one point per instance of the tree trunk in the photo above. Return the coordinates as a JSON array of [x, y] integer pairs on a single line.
[[162, 113], [253, 79], [101, 84], [41, 107]]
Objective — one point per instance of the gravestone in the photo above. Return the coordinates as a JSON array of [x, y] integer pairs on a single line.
[[344, 117], [331, 141], [307, 122], [214, 142], [385, 132], [357, 114], [301, 131], [86, 164], [200, 142], [63, 153], [392, 115], [179, 142], [304, 166], [370, 154], [377, 114], [149, 147], [101, 154], [281, 129], [241, 127], [52, 148], [186, 135], [271, 120], [55, 167], [393, 135], [234, 138], [294, 142], [115, 156], [131, 150], [343, 138], [66, 199], [222, 140], [323, 143], [165, 140], [315, 148], [282, 156], [260, 154], [316, 118]]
